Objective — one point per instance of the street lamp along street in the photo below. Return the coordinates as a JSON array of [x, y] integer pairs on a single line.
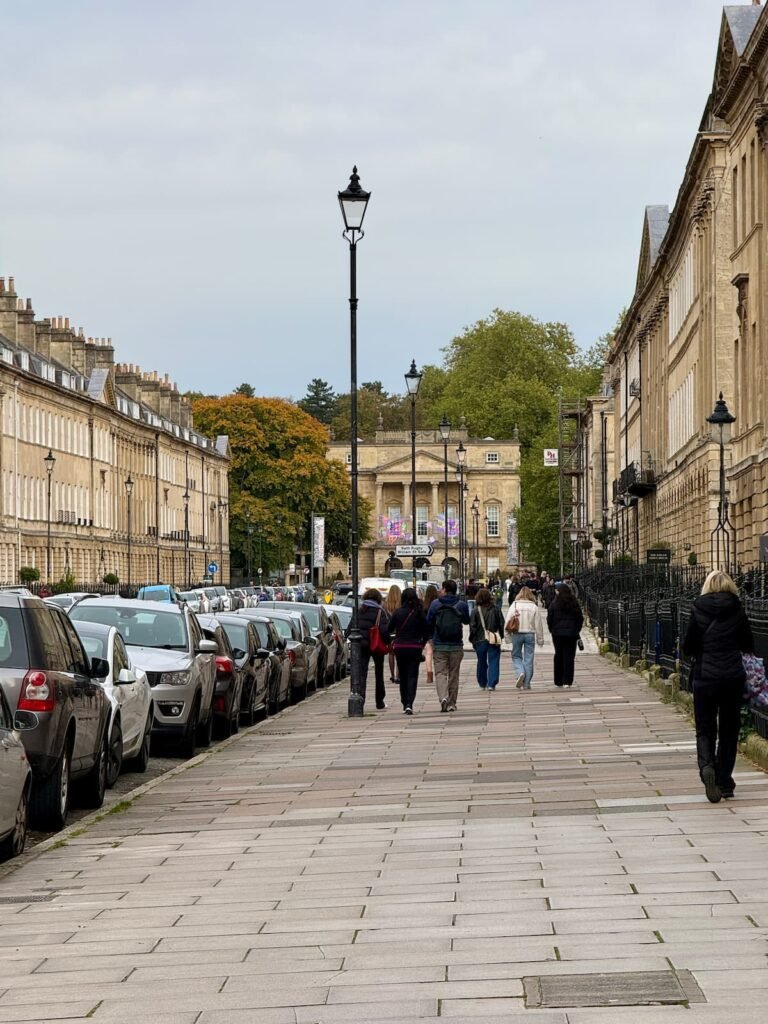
[[50, 462], [412, 383], [353, 201], [445, 434], [722, 421]]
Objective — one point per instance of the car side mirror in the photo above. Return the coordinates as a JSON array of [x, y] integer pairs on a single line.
[[99, 668], [126, 676], [310, 641], [23, 721], [281, 645], [237, 654], [207, 647]]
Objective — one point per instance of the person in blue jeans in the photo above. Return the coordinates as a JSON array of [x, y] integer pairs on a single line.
[[486, 618], [524, 625]]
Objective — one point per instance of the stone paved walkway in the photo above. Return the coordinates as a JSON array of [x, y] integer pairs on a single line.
[[320, 870]]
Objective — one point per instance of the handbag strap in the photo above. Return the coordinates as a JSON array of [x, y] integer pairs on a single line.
[[378, 618], [480, 613]]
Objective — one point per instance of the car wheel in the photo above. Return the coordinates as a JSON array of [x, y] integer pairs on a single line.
[[234, 724], [14, 844], [94, 785], [114, 754], [189, 742], [205, 731], [141, 761], [50, 798], [250, 713]]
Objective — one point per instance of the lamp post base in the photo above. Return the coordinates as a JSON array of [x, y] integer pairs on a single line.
[[355, 706]]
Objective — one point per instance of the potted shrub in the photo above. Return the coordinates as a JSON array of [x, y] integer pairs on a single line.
[[693, 558], [28, 574], [599, 554], [111, 579]]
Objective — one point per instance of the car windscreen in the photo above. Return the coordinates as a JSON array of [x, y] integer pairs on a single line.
[[283, 628], [238, 635], [140, 628], [13, 641], [312, 614]]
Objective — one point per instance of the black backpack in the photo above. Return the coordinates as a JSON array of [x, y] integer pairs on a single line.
[[448, 629]]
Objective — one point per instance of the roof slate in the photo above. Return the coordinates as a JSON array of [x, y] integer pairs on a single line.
[[741, 21], [657, 218]]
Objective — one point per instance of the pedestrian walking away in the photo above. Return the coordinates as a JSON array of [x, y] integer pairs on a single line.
[[524, 625], [718, 634], [409, 632], [564, 619], [393, 602], [486, 632], [429, 596], [370, 614], [446, 617]]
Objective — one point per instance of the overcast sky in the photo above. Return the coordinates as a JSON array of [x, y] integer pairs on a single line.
[[169, 170]]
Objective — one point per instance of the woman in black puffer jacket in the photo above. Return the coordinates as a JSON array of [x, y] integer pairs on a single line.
[[718, 634]]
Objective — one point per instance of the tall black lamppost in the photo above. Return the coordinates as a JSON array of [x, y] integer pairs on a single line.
[[476, 534], [129, 495], [412, 382], [50, 462], [186, 574], [354, 202], [461, 458], [221, 505], [720, 539], [249, 535], [465, 520], [445, 433]]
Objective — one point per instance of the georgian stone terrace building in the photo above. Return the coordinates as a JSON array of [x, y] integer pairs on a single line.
[[103, 424]]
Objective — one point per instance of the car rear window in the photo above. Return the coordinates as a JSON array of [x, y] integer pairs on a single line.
[[13, 641], [263, 633], [95, 646]]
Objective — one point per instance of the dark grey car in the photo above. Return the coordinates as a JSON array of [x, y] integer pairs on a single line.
[[45, 670], [322, 631]]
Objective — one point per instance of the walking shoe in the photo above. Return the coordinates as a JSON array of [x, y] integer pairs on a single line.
[[483, 686], [490, 688], [451, 707], [520, 680], [728, 794], [444, 704], [711, 787], [381, 707], [409, 711]]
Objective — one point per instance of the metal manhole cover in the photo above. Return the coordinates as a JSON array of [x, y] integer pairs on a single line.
[[36, 898], [642, 988]]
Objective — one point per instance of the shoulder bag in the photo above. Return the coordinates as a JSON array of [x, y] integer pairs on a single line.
[[513, 626], [376, 641], [493, 638]]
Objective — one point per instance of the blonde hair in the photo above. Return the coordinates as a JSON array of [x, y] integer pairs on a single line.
[[525, 594], [394, 599], [719, 583]]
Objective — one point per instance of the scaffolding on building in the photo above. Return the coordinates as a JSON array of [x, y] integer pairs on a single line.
[[573, 496]]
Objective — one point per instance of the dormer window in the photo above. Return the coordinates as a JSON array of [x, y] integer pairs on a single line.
[[492, 458]]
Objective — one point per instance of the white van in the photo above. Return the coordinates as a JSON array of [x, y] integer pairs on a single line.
[[380, 583]]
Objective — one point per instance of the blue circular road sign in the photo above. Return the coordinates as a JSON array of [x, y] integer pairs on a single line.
[[212, 568]]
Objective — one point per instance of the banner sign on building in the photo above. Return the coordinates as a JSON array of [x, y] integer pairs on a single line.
[[513, 550], [551, 457], [318, 542]]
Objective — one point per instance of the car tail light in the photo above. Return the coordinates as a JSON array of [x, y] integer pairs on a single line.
[[224, 665], [37, 694], [292, 656], [220, 704]]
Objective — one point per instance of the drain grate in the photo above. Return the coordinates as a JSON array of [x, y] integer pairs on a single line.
[[265, 733], [642, 988], [33, 898]]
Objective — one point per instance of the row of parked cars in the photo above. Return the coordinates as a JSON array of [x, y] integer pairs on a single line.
[[90, 689]]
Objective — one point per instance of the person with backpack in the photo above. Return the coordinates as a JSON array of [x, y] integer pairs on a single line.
[[486, 631], [523, 624], [371, 613], [409, 630], [565, 619], [447, 616]]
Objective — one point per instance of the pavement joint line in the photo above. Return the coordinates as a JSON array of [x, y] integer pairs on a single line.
[[78, 828]]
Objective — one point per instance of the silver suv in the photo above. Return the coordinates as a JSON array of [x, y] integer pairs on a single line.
[[166, 642]]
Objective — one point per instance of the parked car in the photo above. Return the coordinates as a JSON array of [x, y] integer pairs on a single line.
[[253, 660], [66, 601], [130, 698], [166, 641], [45, 670], [15, 781], [192, 599], [270, 641], [314, 650], [300, 647], [225, 601], [340, 619], [158, 592], [317, 617], [229, 678]]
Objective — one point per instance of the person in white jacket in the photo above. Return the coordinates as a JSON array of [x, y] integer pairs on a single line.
[[530, 631]]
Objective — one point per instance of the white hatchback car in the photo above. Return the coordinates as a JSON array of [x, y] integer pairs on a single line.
[[15, 780], [130, 698]]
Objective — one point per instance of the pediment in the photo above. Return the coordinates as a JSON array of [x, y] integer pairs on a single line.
[[655, 224], [736, 29], [426, 462]]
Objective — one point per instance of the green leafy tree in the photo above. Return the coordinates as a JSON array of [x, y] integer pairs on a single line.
[[279, 476], [374, 406], [319, 401], [245, 389]]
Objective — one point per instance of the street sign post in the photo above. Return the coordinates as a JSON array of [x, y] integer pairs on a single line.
[[213, 568], [414, 550]]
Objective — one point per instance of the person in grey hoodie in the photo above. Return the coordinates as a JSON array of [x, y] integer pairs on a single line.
[[447, 616]]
